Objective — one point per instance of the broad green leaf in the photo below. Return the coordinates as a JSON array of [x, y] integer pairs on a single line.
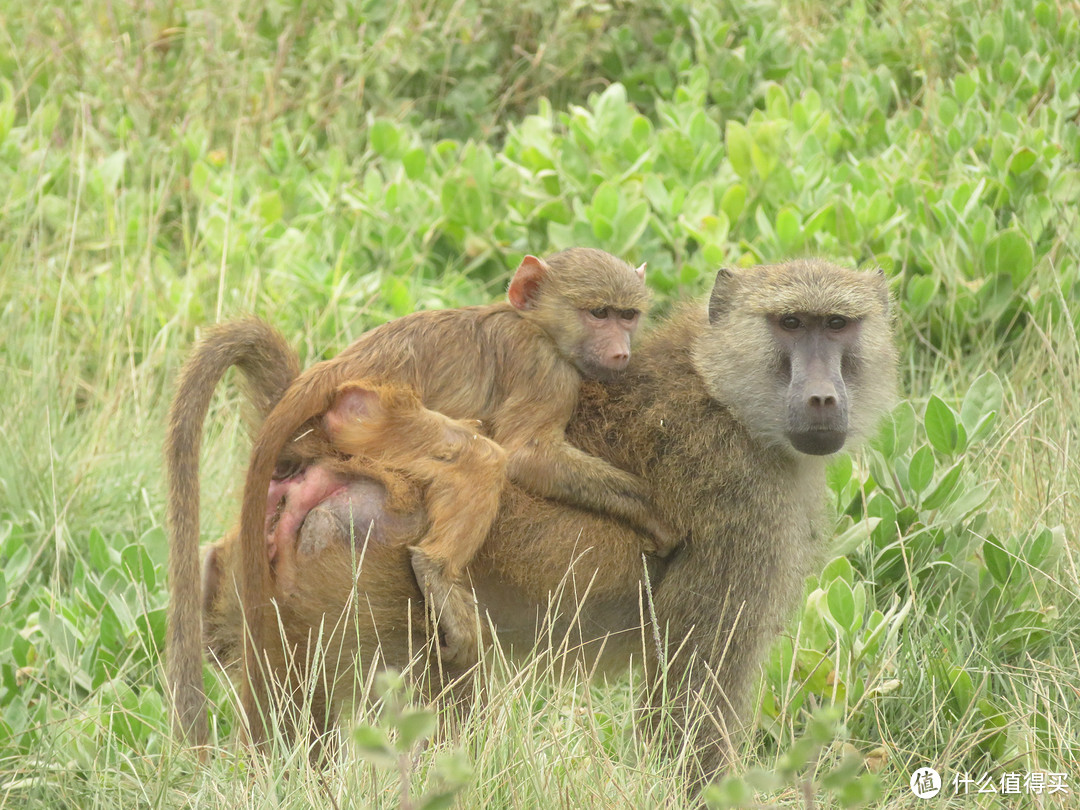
[[156, 543], [413, 726], [454, 767], [270, 207], [98, 551], [414, 161], [903, 421], [921, 469], [920, 290], [998, 560], [398, 296], [373, 745], [994, 724], [961, 691], [611, 105], [1039, 548], [151, 628], [943, 490], [841, 604], [1009, 253], [553, 211], [1021, 161], [442, 800], [983, 399], [605, 201], [739, 148], [763, 158], [942, 427], [629, 226], [969, 500], [384, 137], [865, 789], [657, 194], [776, 101], [855, 536], [200, 177], [788, 228], [136, 562], [733, 201], [964, 87], [732, 791], [839, 568], [838, 473]]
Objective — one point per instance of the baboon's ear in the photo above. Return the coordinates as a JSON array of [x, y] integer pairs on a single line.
[[525, 285], [883, 289], [720, 298], [358, 401]]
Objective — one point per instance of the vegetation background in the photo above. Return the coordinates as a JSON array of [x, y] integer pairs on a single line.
[[330, 165]]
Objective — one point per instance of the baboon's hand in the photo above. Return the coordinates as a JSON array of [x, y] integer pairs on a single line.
[[663, 538]]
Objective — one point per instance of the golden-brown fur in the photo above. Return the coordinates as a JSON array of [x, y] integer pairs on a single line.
[[517, 367], [462, 472], [696, 416]]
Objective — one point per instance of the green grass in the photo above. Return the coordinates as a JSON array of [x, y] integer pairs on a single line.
[[330, 166]]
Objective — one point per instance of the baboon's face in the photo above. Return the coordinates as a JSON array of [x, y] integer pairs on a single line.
[[812, 350], [800, 352]]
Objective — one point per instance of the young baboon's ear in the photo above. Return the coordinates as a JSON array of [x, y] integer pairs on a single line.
[[720, 297], [357, 401], [525, 285], [641, 271]]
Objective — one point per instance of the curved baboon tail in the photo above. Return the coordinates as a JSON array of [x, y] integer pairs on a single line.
[[269, 365], [306, 398]]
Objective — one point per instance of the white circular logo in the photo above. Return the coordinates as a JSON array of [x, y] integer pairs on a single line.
[[926, 783]]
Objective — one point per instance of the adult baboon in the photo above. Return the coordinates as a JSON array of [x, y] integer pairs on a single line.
[[728, 411]]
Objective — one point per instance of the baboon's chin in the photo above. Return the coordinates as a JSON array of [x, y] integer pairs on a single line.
[[595, 371], [817, 442]]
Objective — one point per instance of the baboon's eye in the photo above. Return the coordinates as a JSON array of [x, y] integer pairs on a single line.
[[628, 314], [790, 322], [287, 468], [599, 313], [836, 323]]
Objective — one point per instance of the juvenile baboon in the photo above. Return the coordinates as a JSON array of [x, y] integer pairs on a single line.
[[726, 411], [516, 366], [461, 472], [268, 364]]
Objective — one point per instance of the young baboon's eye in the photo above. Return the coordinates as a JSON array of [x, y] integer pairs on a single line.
[[600, 313], [790, 322], [287, 469], [836, 323], [628, 314]]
